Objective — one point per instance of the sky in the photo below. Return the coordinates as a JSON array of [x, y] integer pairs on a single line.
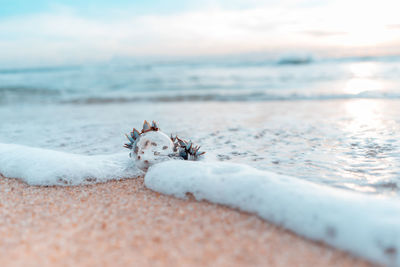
[[44, 32]]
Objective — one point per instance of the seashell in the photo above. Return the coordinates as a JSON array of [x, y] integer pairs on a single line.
[[151, 146]]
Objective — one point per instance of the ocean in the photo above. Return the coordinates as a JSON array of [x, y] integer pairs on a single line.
[[331, 121]]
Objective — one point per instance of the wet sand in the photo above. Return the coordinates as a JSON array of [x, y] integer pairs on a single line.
[[121, 223]]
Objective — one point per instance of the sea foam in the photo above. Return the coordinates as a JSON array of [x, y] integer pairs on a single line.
[[38, 166], [366, 225]]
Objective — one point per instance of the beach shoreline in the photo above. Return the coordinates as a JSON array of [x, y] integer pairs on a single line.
[[121, 223]]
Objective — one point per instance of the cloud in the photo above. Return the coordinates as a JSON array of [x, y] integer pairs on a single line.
[[319, 33], [393, 26], [65, 36]]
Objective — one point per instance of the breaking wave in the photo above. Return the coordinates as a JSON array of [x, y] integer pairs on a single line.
[[12, 95]]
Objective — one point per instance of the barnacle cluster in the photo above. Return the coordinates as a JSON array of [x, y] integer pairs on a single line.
[[150, 146]]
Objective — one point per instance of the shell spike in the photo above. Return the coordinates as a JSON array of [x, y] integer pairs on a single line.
[[199, 153], [130, 138], [181, 142], [146, 127], [154, 126], [135, 133], [174, 138], [189, 146], [129, 146]]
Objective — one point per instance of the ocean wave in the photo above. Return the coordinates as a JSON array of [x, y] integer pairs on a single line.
[[362, 224], [244, 79], [23, 90], [245, 97], [38, 96], [22, 94], [256, 60], [38, 69], [295, 60]]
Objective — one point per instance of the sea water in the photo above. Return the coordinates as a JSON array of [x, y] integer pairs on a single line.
[[331, 121], [331, 126]]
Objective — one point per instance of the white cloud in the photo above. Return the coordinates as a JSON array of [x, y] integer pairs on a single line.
[[65, 37]]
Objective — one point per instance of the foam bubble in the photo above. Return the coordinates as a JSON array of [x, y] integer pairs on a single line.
[[366, 225], [38, 166]]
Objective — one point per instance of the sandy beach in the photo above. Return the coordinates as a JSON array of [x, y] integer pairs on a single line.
[[121, 223], [199, 133]]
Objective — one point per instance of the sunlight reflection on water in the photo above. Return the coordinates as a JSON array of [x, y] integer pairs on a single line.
[[363, 78]]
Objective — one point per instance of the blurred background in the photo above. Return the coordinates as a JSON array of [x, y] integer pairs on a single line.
[[67, 32], [88, 51]]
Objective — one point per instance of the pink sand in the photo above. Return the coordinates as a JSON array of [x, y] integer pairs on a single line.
[[121, 223]]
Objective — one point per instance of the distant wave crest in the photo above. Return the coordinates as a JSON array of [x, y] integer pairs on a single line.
[[39, 95]]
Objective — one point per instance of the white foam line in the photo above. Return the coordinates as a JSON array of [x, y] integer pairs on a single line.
[[38, 166], [366, 225]]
